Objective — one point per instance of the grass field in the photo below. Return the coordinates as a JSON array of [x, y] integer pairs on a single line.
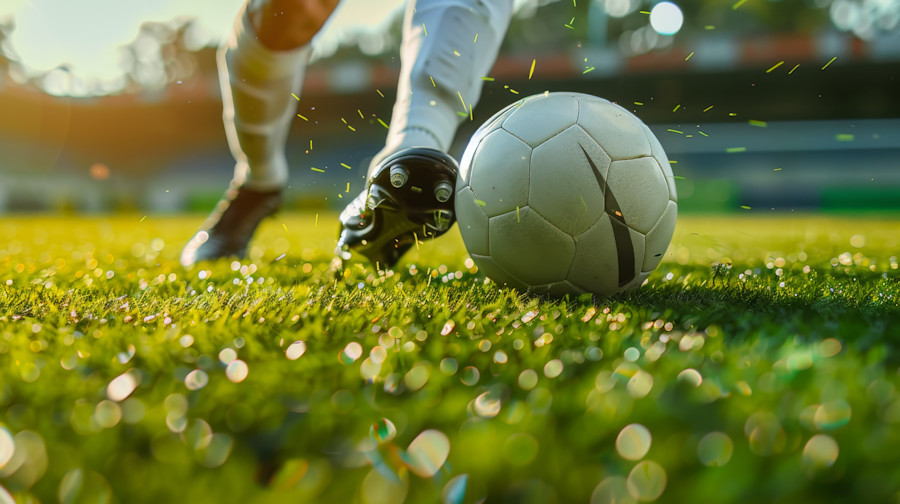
[[758, 364]]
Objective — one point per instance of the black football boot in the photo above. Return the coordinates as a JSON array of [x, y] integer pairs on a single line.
[[409, 196], [230, 226]]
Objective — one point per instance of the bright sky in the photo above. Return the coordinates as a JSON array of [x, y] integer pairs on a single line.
[[87, 34]]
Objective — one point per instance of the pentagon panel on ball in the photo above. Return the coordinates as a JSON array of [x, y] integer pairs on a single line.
[[565, 193]]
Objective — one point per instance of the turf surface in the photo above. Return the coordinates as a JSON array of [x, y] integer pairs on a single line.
[[758, 364]]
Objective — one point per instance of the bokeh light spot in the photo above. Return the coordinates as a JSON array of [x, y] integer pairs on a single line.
[[633, 442], [691, 377], [237, 371], [640, 384], [470, 375], [832, 414], [666, 18], [428, 452], [715, 449], [379, 489], [528, 379], [227, 355], [487, 405], [196, 379], [7, 446], [350, 353], [765, 433], [383, 431], [449, 366], [820, 452], [107, 414], [122, 386], [295, 350], [455, 490], [612, 490], [646, 481], [79, 485], [553, 368], [217, 451]]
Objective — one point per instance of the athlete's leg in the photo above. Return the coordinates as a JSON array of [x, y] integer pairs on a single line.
[[448, 45], [261, 68]]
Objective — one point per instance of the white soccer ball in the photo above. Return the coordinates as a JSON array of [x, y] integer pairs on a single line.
[[566, 193]]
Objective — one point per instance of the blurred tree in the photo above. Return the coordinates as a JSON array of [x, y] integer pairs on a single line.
[[5, 63]]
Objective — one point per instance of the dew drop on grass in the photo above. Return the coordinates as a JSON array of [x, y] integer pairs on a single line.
[[237, 371], [820, 452], [295, 350], [715, 449], [633, 442], [646, 481], [196, 379], [832, 414], [428, 452], [612, 490], [383, 431]]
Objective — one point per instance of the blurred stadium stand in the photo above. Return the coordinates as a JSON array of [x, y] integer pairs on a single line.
[[787, 139]]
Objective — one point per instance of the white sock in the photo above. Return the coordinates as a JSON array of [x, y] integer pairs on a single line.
[[442, 63], [258, 89]]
